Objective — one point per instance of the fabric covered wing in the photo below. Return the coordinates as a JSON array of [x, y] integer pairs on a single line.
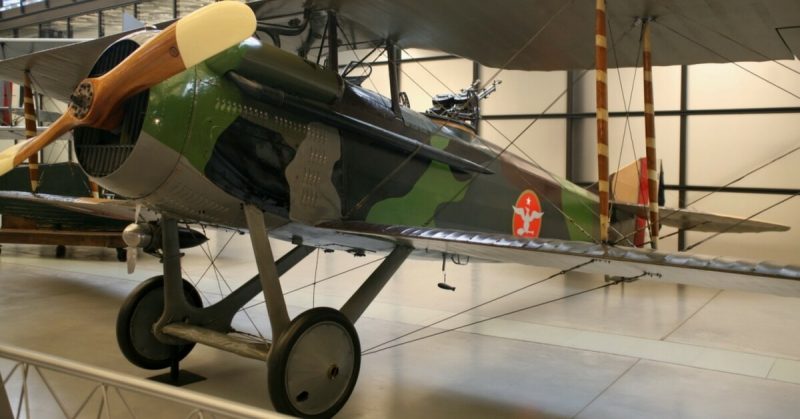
[[686, 219], [117, 209], [55, 72], [559, 34], [646, 264]]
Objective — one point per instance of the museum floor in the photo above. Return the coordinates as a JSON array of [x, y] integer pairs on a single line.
[[633, 350]]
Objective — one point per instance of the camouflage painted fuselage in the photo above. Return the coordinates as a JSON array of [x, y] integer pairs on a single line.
[[213, 144]]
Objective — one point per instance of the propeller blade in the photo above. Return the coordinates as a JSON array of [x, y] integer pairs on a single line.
[[195, 38], [16, 154], [130, 258], [189, 41]]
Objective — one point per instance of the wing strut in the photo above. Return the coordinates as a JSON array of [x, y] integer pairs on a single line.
[[30, 131], [601, 68], [393, 56], [650, 133]]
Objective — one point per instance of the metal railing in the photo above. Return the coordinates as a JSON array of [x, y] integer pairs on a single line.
[[105, 382]]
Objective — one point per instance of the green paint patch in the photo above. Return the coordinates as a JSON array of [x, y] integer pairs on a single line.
[[209, 121], [417, 208], [580, 207], [189, 111], [169, 110]]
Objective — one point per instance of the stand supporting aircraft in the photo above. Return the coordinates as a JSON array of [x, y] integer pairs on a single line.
[[202, 122]]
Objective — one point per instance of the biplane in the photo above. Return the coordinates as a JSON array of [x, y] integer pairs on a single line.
[[203, 122]]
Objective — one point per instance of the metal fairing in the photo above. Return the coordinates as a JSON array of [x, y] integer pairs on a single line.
[[179, 131], [385, 187], [363, 178]]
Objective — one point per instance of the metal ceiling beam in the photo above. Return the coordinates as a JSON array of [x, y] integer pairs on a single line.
[[48, 11]]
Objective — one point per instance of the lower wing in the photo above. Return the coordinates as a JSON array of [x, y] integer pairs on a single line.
[[646, 264]]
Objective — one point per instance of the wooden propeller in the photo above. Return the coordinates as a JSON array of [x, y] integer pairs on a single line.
[[187, 42]]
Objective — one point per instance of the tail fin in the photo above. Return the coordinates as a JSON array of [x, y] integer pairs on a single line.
[[629, 185]]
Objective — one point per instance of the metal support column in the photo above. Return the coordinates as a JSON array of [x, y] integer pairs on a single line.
[[270, 281], [570, 128], [393, 53], [363, 297], [476, 75], [333, 41], [682, 149]]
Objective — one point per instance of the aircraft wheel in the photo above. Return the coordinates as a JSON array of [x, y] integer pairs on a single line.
[[122, 254], [61, 251], [140, 311], [313, 367]]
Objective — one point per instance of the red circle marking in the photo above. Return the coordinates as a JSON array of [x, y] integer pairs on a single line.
[[527, 220]]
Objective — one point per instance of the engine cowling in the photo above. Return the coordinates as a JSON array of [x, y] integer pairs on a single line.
[[144, 159]]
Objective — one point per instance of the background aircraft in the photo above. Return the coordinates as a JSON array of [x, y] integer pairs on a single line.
[[324, 163]]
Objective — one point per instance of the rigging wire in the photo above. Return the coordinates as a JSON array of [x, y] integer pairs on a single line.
[[516, 146], [429, 325], [512, 142], [220, 278], [740, 222], [322, 280], [738, 43], [441, 332], [728, 60], [720, 188], [626, 103], [528, 43], [314, 290]]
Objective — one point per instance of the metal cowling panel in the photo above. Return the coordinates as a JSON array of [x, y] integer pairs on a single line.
[[101, 152]]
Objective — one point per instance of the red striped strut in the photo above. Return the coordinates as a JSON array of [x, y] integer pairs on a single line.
[[30, 131], [601, 70], [650, 134]]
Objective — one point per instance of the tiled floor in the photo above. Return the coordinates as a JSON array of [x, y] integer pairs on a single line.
[[632, 350]]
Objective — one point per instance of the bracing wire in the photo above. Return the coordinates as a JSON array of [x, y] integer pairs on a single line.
[[508, 313], [500, 297]]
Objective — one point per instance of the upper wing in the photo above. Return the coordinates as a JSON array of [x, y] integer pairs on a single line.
[[686, 219], [685, 268], [559, 34]]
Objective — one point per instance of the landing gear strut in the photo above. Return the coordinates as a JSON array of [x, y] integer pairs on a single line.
[[313, 361]]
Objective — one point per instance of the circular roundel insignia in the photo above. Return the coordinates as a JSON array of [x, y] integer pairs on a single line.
[[527, 215]]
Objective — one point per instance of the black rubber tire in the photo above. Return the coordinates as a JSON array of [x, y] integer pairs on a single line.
[[134, 325], [281, 352], [61, 251], [122, 254]]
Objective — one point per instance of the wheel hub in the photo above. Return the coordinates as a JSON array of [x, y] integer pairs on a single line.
[[320, 367]]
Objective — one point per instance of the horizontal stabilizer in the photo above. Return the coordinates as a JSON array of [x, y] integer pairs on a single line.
[[686, 219]]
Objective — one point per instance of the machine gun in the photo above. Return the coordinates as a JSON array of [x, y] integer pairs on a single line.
[[462, 107]]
